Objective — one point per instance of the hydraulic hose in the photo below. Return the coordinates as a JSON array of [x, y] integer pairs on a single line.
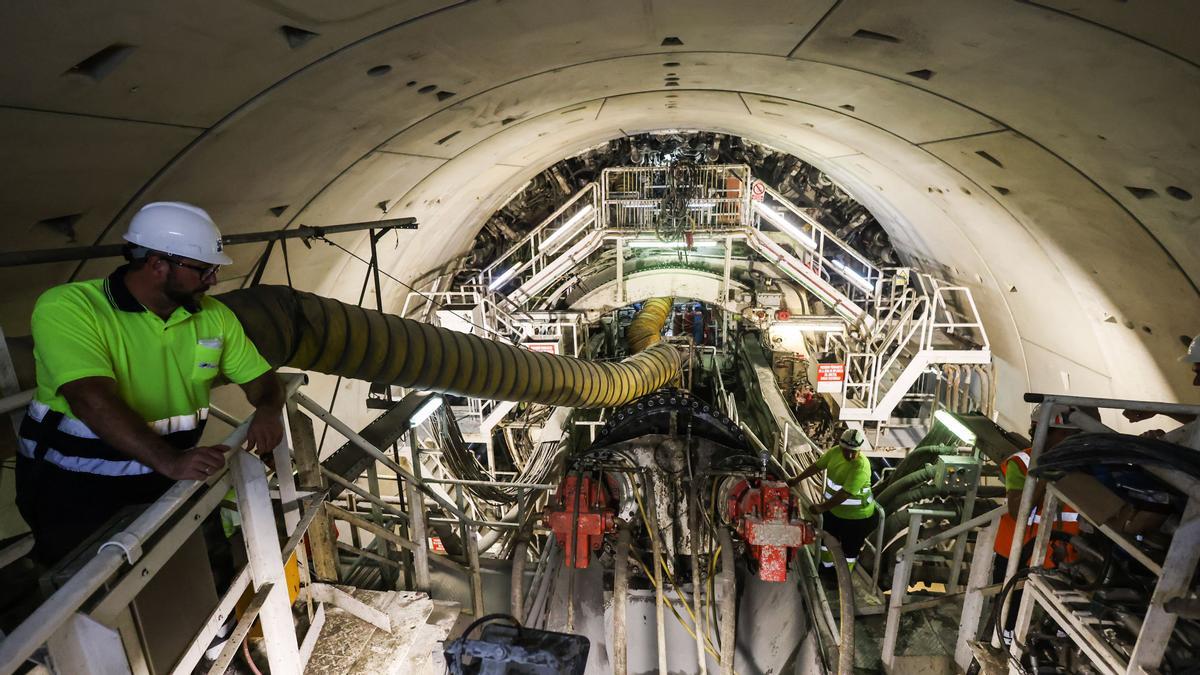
[[845, 665], [301, 330], [899, 486], [646, 328], [919, 457]]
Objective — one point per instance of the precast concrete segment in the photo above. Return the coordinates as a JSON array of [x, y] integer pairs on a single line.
[[301, 330], [646, 327]]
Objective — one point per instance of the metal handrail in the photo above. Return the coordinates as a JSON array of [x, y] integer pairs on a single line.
[[824, 234], [534, 240], [111, 556]]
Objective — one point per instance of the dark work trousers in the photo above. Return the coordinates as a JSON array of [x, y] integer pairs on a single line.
[[850, 533], [63, 508]]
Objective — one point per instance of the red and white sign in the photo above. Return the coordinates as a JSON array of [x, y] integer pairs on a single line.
[[545, 347], [435, 545], [758, 190], [830, 377]]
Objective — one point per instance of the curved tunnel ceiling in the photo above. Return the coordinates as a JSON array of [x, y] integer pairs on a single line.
[[1041, 154]]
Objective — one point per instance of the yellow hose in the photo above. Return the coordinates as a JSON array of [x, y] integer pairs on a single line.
[[310, 332], [646, 328]]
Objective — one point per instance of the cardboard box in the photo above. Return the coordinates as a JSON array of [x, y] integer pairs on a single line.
[[1102, 506]]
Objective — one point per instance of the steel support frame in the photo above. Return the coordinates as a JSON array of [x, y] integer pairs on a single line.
[[1175, 574]]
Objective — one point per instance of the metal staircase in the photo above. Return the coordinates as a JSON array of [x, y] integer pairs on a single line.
[[919, 325]]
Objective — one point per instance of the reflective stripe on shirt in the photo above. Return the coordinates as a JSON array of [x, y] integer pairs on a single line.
[[103, 465]]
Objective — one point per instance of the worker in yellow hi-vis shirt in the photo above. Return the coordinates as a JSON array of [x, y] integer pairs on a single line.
[[848, 504], [124, 368]]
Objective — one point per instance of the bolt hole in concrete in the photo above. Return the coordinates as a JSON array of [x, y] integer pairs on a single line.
[[671, 64], [64, 225], [863, 34], [410, 83], [378, 71], [296, 37], [672, 41], [427, 88], [101, 64], [443, 95], [1179, 193], [847, 106], [923, 73], [984, 154], [1001, 190], [278, 210], [443, 140], [1141, 192], [672, 84]]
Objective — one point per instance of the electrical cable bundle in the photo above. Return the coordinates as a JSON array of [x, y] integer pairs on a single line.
[[674, 219], [465, 466], [1082, 452]]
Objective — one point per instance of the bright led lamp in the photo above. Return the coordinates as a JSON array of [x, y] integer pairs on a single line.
[[698, 243], [427, 408], [777, 219], [852, 276], [957, 428], [500, 280], [568, 226]]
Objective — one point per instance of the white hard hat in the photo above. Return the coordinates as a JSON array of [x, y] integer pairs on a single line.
[[853, 439], [180, 229], [1060, 415], [1193, 351]]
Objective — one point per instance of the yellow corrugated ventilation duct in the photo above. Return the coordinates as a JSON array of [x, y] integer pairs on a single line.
[[646, 328], [309, 332]]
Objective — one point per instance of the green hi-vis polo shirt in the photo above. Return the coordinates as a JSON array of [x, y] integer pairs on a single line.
[[163, 369], [854, 477]]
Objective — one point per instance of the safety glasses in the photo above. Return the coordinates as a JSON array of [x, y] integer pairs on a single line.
[[206, 272]]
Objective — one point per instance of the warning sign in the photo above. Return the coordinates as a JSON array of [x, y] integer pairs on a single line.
[[435, 545], [758, 190], [544, 347], [830, 377]]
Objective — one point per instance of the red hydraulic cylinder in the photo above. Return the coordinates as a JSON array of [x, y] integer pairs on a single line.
[[763, 517], [580, 515]]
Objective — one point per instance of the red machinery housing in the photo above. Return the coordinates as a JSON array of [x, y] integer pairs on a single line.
[[761, 510], [580, 514]]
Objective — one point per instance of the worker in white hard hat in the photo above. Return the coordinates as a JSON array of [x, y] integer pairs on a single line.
[[848, 504], [124, 368]]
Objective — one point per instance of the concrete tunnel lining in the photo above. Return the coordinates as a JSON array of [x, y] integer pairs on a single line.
[[1026, 88]]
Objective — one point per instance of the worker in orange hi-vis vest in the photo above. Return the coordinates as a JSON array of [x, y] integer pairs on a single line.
[[1015, 470]]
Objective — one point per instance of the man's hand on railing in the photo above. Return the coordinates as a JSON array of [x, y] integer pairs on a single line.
[[197, 463], [265, 433]]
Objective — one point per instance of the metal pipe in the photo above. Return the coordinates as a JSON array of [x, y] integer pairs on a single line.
[[882, 517], [1148, 406], [516, 594], [416, 523], [727, 602], [53, 255], [1027, 505], [621, 600], [697, 581], [660, 626]]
